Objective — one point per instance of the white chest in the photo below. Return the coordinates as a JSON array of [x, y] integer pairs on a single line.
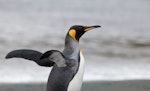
[[76, 82]]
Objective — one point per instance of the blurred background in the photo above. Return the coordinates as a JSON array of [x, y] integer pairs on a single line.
[[119, 50]]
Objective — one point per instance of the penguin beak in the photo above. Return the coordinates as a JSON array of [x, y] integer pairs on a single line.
[[91, 27]]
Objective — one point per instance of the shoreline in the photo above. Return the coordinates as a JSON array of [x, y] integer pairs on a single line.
[[127, 85]]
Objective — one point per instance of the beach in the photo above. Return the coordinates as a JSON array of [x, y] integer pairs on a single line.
[[128, 85]]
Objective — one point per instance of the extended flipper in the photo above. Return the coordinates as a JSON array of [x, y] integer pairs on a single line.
[[60, 60], [30, 55]]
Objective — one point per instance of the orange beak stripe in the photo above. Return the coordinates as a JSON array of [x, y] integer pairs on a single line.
[[87, 29]]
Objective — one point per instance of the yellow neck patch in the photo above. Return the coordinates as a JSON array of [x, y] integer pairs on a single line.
[[72, 33], [81, 52]]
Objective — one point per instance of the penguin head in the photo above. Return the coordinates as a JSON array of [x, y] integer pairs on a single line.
[[76, 31]]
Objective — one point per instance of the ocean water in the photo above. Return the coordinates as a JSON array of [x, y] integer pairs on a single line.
[[119, 50]]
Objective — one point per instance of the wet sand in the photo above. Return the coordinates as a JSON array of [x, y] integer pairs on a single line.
[[131, 85]]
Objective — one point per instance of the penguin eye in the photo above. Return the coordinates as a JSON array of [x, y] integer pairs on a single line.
[[80, 28]]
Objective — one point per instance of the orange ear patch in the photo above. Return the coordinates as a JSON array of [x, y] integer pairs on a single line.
[[72, 33]]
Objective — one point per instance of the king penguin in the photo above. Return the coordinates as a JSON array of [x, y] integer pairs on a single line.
[[68, 65]]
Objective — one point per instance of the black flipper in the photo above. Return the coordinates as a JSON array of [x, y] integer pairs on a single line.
[[30, 55], [60, 60]]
